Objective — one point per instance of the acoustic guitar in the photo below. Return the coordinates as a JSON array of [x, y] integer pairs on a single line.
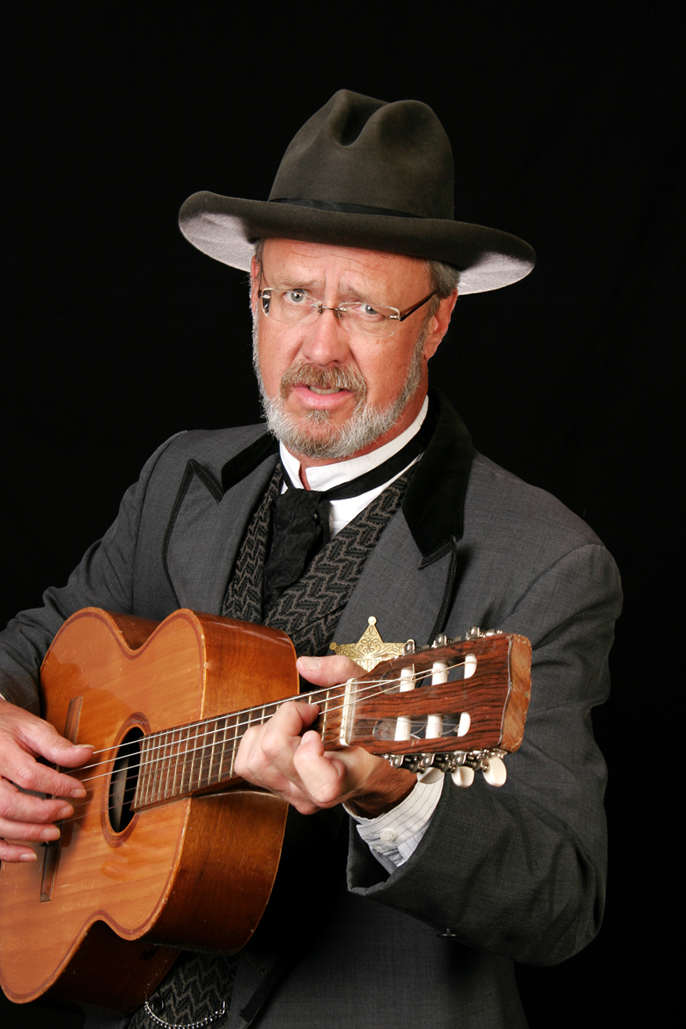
[[170, 850]]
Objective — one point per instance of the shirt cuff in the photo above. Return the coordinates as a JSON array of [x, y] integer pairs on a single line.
[[395, 835]]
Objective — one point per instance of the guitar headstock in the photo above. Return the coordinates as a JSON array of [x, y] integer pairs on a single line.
[[454, 706]]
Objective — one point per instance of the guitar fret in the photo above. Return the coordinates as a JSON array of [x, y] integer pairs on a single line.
[[222, 774], [141, 785], [206, 752], [176, 754], [210, 776], [187, 753], [186, 772], [196, 765], [179, 758], [324, 714], [151, 779], [232, 722], [180, 765], [150, 776], [166, 752], [224, 747]]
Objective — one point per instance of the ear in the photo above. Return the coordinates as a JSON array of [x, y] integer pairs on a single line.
[[439, 324]]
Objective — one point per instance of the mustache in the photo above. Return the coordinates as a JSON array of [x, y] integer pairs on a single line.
[[303, 374]]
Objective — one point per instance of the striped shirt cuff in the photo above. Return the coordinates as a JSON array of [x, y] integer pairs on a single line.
[[394, 836]]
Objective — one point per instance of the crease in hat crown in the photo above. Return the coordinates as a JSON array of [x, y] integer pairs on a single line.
[[360, 151], [362, 173]]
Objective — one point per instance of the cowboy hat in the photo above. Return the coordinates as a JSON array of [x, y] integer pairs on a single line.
[[362, 173]]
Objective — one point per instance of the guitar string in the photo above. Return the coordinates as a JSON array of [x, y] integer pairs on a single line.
[[177, 759], [79, 805], [174, 759], [165, 736]]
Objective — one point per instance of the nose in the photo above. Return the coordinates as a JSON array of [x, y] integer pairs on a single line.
[[325, 341]]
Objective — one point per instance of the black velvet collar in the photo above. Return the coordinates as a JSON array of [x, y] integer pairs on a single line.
[[433, 504], [247, 460]]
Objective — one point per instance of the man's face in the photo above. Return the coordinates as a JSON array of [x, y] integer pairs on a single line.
[[330, 394]]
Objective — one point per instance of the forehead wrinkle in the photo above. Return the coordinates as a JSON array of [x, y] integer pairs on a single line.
[[348, 273], [343, 289], [317, 287]]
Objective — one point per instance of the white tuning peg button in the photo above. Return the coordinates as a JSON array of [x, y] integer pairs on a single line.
[[463, 775], [496, 773], [430, 775]]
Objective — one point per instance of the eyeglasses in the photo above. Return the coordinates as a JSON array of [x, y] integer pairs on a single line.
[[295, 305]]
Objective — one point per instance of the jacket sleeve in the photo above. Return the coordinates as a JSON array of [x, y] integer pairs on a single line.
[[104, 578], [520, 871]]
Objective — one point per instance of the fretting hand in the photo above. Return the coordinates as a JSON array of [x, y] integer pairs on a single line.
[[286, 758]]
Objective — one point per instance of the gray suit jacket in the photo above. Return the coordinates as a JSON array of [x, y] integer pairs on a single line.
[[501, 875]]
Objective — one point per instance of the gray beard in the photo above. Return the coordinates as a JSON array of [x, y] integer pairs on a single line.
[[318, 439]]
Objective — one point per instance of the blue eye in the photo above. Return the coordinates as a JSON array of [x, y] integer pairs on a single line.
[[368, 313], [295, 296]]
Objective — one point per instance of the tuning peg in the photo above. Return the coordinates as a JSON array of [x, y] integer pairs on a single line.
[[430, 775], [463, 775], [495, 772]]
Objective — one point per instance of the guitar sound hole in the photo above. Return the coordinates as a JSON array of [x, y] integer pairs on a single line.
[[124, 781]]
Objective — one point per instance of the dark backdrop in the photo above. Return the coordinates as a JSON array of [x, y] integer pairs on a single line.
[[567, 131]]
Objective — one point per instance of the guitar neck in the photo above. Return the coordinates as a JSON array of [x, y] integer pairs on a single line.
[[191, 758], [472, 696]]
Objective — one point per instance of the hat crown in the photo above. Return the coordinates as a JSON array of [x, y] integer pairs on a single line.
[[395, 157]]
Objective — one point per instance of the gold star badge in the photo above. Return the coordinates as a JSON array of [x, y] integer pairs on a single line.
[[370, 649]]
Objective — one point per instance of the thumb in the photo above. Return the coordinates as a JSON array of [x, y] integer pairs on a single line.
[[37, 736], [328, 671]]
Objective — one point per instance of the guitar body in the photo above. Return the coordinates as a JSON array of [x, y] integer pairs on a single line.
[[100, 915]]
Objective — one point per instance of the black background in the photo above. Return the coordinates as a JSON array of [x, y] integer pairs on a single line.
[[567, 130]]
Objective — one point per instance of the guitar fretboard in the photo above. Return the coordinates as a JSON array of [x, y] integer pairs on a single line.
[[183, 760]]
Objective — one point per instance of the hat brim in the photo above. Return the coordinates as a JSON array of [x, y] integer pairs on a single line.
[[226, 229]]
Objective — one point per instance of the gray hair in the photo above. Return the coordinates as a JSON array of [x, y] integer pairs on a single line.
[[443, 278]]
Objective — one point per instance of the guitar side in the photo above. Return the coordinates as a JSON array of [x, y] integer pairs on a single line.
[[195, 872]]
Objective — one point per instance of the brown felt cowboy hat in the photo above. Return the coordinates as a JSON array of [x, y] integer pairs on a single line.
[[362, 173]]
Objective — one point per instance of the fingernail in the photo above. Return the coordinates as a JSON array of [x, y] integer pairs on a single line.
[[310, 663], [78, 792], [51, 833], [66, 811], [28, 857]]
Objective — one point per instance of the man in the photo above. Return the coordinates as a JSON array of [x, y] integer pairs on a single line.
[[352, 289]]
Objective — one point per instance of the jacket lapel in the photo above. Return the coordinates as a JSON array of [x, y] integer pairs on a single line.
[[205, 531]]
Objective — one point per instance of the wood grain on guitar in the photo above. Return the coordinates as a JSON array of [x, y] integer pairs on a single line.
[[170, 850]]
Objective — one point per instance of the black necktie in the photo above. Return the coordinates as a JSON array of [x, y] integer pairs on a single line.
[[300, 521]]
